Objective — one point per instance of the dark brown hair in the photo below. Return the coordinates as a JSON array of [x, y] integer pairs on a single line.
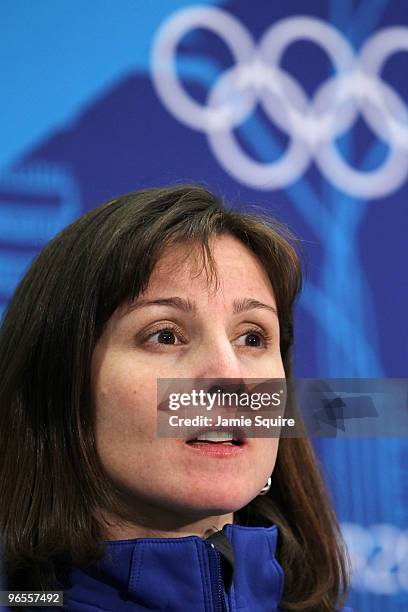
[[51, 480]]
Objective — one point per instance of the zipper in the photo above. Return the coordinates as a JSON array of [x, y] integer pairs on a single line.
[[217, 582], [220, 585]]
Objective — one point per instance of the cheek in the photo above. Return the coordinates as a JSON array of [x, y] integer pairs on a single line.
[[124, 403], [270, 449], [267, 455], [279, 370]]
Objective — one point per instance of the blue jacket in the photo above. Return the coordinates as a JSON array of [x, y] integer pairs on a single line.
[[181, 575]]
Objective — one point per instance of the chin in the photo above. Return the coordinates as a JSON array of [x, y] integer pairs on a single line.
[[212, 501]]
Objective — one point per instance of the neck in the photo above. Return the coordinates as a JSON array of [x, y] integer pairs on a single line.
[[115, 528]]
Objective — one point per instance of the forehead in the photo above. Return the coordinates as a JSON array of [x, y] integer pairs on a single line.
[[237, 270]]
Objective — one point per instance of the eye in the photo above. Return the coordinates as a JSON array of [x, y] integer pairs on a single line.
[[254, 338], [164, 335]]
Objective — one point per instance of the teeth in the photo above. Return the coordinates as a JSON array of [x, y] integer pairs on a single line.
[[216, 436]]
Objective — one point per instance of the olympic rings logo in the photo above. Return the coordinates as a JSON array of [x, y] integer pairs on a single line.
[[312, 125]]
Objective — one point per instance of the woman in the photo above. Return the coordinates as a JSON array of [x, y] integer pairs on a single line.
[[161, 283]]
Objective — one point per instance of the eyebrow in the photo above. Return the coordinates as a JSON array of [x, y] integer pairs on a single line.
[[186, 305]]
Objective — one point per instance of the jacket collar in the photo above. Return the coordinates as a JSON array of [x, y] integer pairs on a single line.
[[178, 573]]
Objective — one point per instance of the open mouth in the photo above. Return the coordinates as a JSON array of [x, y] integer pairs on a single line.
[[216, 437]]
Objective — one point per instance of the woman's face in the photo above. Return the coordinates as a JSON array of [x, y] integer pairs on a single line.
[[167, 474]]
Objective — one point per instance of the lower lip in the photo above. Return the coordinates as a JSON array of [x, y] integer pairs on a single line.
[[217, 449]]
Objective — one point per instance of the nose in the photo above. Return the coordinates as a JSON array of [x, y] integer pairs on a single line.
[[220, 368], [217, 359]]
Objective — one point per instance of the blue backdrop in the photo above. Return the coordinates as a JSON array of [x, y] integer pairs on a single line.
[[298, 107]]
